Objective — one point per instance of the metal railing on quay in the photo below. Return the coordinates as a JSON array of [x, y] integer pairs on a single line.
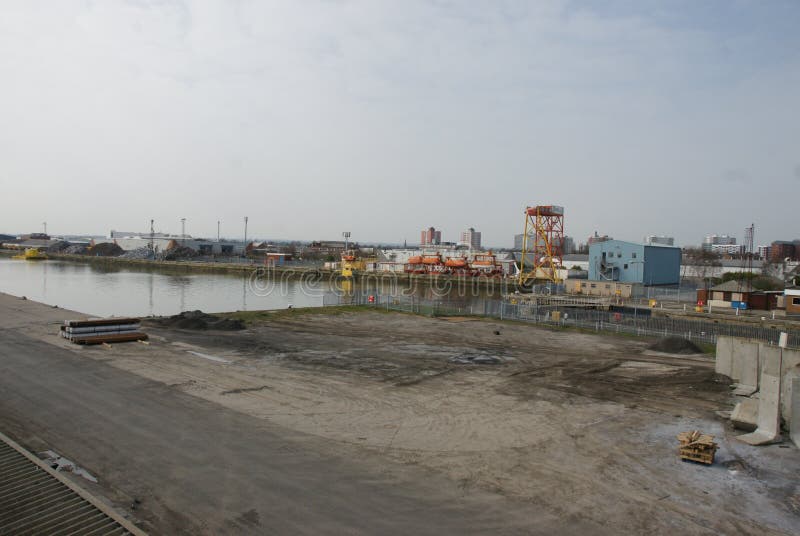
[[640, 322]]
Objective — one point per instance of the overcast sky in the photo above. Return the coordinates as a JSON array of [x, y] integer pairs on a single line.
[[381, 118]]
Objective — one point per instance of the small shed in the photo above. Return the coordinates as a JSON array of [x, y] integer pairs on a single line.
[[792, 300], [739, 295]]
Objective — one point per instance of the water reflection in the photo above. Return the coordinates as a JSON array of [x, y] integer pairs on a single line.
[[140, 291]]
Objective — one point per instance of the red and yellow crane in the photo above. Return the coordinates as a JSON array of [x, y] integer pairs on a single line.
[[542, 245]]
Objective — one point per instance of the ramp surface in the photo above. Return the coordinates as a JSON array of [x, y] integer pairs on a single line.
[[34, 499]]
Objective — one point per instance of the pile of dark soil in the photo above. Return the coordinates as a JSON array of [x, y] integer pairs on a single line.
[[178, 252], [58, 247], [77, 249], [675, 345], [198, 320], [105, 249]]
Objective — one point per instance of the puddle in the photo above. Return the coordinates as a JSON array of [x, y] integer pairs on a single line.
[[63, 465]]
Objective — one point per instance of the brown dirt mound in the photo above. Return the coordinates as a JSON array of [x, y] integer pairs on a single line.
[[198, 320], [177, 253], [105, 249], [675, 345], [58, 247]]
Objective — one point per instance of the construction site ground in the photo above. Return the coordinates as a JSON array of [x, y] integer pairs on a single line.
[[451, 425]]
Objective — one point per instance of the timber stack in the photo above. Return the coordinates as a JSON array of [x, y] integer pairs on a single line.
[[697, 447]]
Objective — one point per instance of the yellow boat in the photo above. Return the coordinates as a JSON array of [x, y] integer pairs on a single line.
[[31, 254]]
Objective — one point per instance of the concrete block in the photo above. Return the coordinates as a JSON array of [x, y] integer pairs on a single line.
[[788, 394], [794, 422], [791, 360], [745, 415], [723, 361], [740, 349], [790, 367], [769, 395], [745, 365]]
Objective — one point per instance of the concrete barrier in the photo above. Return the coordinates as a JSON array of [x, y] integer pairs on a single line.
[[724, 359], [745, 366], [745, 414], [794, 422], [790, 368], [769, 396]]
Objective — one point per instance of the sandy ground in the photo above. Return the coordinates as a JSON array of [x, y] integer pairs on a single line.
[[580, 425]]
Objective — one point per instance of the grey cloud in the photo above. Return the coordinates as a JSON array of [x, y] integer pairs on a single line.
[[736, 176]]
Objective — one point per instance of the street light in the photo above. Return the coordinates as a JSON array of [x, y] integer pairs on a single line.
[[245, 236]]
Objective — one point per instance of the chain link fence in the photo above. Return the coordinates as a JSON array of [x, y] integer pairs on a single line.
[[639, 322]]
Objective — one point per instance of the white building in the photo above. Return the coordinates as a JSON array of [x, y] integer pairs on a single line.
[[163, 242], [726, 249], [653, 240], [470, 238], [718, 240]]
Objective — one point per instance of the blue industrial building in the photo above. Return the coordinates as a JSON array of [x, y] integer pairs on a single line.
[[627, 262]]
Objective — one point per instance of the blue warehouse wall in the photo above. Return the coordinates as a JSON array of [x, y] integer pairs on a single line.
[[662, 265], [627, 262]]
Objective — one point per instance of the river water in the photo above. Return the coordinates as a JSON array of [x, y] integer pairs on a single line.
[[118, 291]]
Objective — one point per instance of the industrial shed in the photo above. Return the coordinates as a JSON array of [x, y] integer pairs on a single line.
[[628, 262]]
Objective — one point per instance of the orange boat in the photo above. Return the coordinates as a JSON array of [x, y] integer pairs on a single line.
[[415, 260], [487, 259], [432, 259], [455, 263]]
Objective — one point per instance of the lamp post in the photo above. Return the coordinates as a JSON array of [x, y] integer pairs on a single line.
[[183, 231], [245, 237]]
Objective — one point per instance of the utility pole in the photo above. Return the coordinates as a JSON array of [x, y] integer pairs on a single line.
[[183, 231], [152, 240], [346, 236], [245, 236], [45, 227], [217, 230]]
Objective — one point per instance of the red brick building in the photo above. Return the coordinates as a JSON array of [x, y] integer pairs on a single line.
[[783, 249]]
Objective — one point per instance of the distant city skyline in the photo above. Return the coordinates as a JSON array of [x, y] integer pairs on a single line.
[[312, 118], [443, 236]]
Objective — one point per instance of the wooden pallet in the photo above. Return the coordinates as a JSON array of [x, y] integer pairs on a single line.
[[697, 447]]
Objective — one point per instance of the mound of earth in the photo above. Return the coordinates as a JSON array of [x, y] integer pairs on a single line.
[[76, 249], [177, 253], [58, 247], [675, 345], [105, 249], [198, 320]]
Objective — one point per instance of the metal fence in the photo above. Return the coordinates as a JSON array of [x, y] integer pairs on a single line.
[[639, 322]]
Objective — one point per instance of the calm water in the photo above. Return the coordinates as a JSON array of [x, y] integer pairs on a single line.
[[105, 291]]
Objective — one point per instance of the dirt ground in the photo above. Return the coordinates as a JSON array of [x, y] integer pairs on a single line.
[[581, 425]]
